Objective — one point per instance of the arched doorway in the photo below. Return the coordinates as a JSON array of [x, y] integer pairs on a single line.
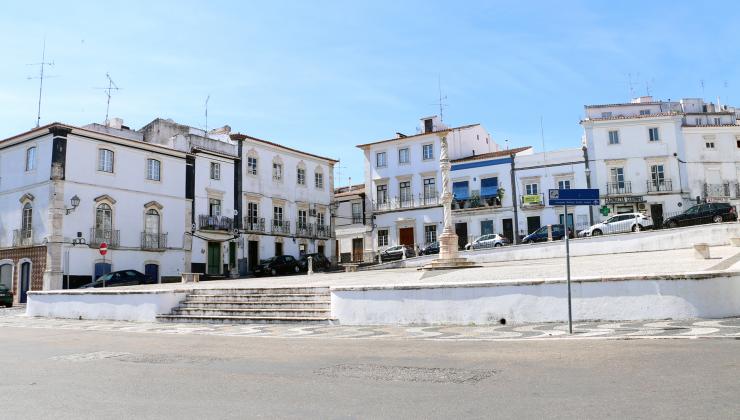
[[25, 281]]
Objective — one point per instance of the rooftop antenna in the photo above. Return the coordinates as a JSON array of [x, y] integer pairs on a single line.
[[41, 76], [207, 99], [631, 86], [108, 92], [542, 136], [339, 167], [506, 141], [702, 88], [442, 99]]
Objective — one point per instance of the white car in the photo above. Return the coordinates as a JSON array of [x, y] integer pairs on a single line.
[[620, 223], [488, 241]]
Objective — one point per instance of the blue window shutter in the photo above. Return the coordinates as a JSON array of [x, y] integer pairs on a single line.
[[488, 187], [460, 190]]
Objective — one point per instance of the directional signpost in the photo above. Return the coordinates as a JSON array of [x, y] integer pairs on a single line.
[[575, 197]]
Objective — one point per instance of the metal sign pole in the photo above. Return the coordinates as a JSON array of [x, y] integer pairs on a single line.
[[567, 265]]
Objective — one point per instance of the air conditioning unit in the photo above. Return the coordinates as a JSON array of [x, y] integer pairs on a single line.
[[641, 206]]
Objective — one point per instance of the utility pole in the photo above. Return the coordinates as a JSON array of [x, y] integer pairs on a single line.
[[41, 76]]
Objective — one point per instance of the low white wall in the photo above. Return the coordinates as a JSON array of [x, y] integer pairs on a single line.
[[700, 295], [658, 240], [120, 306]]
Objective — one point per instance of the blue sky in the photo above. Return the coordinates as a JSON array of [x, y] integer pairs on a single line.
[[324, 76]]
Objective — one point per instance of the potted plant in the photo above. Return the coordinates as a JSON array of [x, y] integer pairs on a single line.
[[500, 195]]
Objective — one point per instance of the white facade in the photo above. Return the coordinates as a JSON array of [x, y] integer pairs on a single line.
[[353, 224]]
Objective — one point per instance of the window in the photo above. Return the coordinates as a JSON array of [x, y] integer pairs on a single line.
[[428, 125], [617, 177], [737, 143], [709, 145], [430, 234], [302, 219], [277, 171], [103, 221], [152, 169], [151, 222], [460, 190], [531, 189], [252, 213], [382, 195], [215, 170], [644, 112], [382, 237], [653, 132], [657, 175], [717, 121], [301, 175], [564, 184], [251, 165], [606, 115], [320, 221], [614, 137], [214, 207], [356, 212], [697, 121], [319, 180], [488, 187], [30, 159], [27, 220], [381, 160], [277, 215], [405, 191], [403, 155], [427, 151], [105, 160], [430, 189]]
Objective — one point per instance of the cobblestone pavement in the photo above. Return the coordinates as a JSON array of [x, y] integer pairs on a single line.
[[696, 328]]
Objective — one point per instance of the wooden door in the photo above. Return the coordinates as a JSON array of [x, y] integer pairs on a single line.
[[214, 258], [357, 249], [406, 236], [253, 254], [461, 229]]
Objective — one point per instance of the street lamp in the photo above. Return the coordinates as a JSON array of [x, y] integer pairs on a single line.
[[75, 201]]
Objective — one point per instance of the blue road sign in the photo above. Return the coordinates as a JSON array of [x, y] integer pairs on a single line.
[[574, 197]]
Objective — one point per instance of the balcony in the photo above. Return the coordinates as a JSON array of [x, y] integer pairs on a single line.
[[280, 227], [619, 188], [98, 236], [153, 241], [476, 201], [407, 202], [22, 237], [254, 224], [206, 222], [662, 185], [304, 230], [529, 201], [356, 219], [717, 190], [322, 231]]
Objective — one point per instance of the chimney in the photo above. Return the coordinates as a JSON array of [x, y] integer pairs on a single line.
[[116, 123]]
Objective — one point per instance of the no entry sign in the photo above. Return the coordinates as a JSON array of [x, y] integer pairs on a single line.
[[103, 248]]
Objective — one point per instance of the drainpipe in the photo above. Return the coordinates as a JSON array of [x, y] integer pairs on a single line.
[[588, 185], [515, 239]]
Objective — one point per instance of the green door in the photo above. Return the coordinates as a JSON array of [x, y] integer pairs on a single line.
[[214, 258]]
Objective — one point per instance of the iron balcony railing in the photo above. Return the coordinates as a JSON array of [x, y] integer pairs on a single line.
[[661, 185], [153, 240], [532, 200], [356, 218], [407, 202], [206, 222], [617, 188], [476, 202], [717, 190], [322, 231], [22, 237], [254, 224], [304, 229], [280, 227], [98, 236]]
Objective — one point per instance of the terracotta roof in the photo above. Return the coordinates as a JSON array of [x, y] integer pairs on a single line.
[[500, 153], [285, 147], [417, 135], [356, 189], [42, 128], [629, 117]]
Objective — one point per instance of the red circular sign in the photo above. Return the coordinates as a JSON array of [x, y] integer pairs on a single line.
[[103, 248]]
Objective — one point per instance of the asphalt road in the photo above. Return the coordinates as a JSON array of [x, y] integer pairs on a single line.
[[74, 374]]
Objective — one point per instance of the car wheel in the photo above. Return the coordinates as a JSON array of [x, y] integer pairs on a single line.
[[296, 269], [8, 305], [672, 224], [496, 245], [597, 232], [635, 227], [273, 272], [717, 219]]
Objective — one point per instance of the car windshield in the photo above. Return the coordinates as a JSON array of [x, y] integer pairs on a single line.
[[106, 277], [692, 210]]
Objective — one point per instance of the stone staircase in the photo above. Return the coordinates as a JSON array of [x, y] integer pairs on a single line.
[[254, 306]]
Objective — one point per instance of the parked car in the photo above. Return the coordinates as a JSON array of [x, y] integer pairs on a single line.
[[540, 235], [430, 249], [320, 262], [396, 253], [487, 241], [6, 296], [703, 213], [120, 278], [620, 223], [280, 264]]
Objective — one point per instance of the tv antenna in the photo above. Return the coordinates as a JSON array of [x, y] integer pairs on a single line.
[[109, 92], [631, 83], [206, 106], [41, 76], [702, 87], [339, 168], [441, 103]]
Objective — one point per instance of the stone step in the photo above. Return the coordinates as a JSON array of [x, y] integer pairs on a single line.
[[259, 312], [243, 319], [238, 304], [263, 291], [287, 297]]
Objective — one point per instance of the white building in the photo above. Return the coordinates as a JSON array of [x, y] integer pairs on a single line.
[[353, 224], [660, 156], [62, 184]]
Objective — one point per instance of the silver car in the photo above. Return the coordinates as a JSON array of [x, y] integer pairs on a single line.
[[620, 223], [488, 241]]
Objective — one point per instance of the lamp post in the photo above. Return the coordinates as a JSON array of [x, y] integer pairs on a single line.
[[75, 201]]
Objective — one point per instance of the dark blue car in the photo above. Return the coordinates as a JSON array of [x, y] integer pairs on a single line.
[[540, 235]]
